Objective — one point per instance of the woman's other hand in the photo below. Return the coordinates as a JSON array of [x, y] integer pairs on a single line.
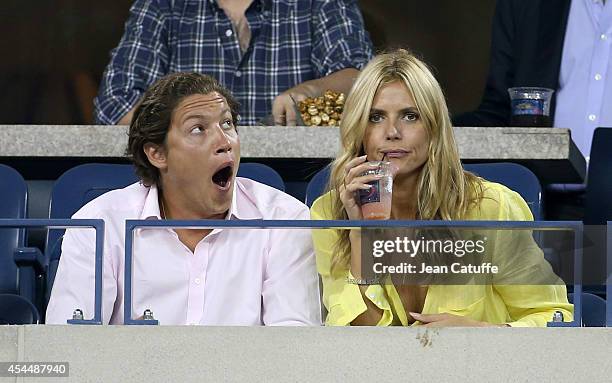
[[450, 320]]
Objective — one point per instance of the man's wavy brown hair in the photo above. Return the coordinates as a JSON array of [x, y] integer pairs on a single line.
[[153, 115]]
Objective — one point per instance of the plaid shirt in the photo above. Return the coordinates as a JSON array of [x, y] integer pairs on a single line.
[[292, 41]]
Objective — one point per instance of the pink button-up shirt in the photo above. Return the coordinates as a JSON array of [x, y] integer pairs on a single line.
[[234, 277]]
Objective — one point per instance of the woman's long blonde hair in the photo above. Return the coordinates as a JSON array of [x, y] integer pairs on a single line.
[[445, 190]]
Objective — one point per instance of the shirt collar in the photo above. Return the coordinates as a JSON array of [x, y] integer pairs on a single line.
[[150, 209], [242, 207], [243, 204]]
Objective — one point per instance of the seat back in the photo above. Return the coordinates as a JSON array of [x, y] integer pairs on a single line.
[[514, 176], [316, 186], [14, 197], [73, 189], [524, 182], [593, 309], [261, 173], [83, 183], [16, 310]]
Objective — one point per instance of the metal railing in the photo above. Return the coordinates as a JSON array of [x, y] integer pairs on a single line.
[[96, 224], [131, 225]]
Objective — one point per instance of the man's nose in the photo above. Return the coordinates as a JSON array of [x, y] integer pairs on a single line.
[[222, 141]]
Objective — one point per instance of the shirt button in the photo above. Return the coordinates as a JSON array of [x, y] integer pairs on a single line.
[[228, 33], [592, 117], [603, 36], [238, 73], [597, 77], [197, 281]]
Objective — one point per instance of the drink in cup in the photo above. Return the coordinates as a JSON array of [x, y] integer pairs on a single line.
[[530, 106], [376, 201]]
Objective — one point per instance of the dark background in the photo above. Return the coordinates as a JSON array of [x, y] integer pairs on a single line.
[[54, 51]]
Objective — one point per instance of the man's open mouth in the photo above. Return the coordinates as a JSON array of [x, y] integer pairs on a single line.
[[222, 176]]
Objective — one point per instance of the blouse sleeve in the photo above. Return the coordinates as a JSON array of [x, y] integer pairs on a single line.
[[343, 300]]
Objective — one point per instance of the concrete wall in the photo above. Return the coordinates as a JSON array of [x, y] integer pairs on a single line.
[[315, 354]]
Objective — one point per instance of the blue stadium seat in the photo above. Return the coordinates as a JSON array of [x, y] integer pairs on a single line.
[[83, 183], [21, 268], [593, 309], [514, 176], [14, 196], [72, 190], [261, 173], [16, 310], [316, 186]]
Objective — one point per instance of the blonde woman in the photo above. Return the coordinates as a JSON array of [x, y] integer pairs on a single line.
[[397, 110]]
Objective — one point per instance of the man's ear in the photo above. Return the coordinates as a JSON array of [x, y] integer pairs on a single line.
[[156, 154]]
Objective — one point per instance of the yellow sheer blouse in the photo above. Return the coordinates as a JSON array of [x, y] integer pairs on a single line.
[[516, 305]]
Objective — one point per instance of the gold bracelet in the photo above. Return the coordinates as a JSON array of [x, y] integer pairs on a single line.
[[360, 281]]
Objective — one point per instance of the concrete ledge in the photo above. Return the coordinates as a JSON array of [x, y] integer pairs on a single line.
[[277, 142], [549, 152], [317, 354]]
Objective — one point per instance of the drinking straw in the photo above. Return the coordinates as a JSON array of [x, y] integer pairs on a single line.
[[381, 163]]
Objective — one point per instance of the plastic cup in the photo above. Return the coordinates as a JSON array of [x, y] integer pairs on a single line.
[[376, 201], [530, 106]]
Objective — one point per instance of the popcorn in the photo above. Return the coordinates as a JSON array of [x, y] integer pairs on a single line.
[[325, 110]]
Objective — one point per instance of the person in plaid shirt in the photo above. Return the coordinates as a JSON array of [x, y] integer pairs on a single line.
[[269, 53]]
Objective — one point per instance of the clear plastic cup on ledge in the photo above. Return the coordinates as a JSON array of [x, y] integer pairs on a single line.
[[530, 106]]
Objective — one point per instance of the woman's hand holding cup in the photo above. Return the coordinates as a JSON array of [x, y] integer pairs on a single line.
[[354, 180]]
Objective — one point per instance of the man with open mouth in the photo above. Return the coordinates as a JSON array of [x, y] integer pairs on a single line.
[[185, 146]]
